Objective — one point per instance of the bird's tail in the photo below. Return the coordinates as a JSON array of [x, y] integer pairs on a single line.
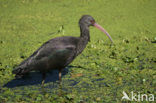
[[20, 71]]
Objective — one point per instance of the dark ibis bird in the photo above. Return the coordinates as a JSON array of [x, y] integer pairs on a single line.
[[58, 52]]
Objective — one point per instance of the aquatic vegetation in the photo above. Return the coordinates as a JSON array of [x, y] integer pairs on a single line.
[[102, 72]]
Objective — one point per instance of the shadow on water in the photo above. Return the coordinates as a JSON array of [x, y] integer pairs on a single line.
[[34, 78], [67, 85]]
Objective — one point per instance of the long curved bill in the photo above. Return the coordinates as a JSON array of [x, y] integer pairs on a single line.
[[103, 30]]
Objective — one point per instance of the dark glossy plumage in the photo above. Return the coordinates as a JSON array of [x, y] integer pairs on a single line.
[[57, 53], [54, 54]]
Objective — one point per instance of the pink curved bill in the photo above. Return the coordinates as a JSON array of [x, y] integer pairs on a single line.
[[103, 30]]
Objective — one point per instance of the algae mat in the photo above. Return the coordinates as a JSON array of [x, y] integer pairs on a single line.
[[102, 73]]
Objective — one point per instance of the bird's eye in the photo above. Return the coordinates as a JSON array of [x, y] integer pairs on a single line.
[[92, 21]]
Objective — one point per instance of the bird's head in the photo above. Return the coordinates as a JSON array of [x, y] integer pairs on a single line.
[[87, 20]]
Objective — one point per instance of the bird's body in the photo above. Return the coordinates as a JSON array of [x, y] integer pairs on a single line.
[[57, 53]]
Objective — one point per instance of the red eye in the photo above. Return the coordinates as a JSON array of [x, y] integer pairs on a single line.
[[92, 21]]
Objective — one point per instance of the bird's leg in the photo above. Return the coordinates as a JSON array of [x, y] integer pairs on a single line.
[[60, 81], [60, 75], [43, 78]]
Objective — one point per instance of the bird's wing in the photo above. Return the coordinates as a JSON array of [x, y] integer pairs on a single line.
[[57, 45], [54, 50], [54, 46], [50, 52]]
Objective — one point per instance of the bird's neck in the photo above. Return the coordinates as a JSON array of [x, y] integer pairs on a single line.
[[84, 38], [84, 33]]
